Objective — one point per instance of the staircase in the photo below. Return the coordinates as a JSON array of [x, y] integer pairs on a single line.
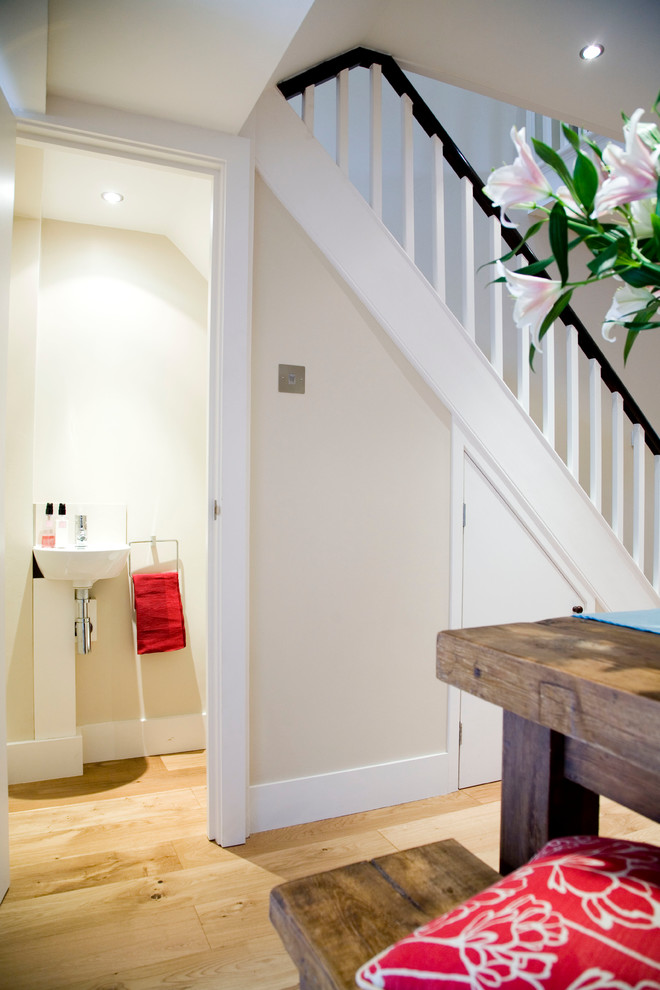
[[415, 268]]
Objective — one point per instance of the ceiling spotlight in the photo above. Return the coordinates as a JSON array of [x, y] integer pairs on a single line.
[[590, 52], [112, 197]]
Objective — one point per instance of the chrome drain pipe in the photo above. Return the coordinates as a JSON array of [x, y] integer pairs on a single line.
[[83, 622]]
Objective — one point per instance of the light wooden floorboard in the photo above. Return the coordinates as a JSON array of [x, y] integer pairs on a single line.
[[116, 887]]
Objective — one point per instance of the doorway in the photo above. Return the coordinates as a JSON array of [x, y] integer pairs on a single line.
[[226, 167], [111, 300]]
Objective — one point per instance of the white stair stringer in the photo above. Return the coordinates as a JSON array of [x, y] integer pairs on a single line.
[[339, 221]]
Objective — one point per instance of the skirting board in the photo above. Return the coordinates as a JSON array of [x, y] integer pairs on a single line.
[[134, 737], [44, 759], [48, 759], [346, 792]]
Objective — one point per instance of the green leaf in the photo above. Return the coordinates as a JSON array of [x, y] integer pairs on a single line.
[[551, 158], [559, 306], [630, 340], [657, 104], [570, 135], [559, 240], [535, 268], [585, 177], [594, 147], [634, 325], [604, 260], [655, 224], [641, 276], [582, 227]]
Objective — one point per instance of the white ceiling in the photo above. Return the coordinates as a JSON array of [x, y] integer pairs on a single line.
[[60, 184], [207, 61], [203, 62], [157, 200]]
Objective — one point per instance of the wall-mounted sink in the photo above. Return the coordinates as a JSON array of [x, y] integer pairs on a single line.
[[82, 565]]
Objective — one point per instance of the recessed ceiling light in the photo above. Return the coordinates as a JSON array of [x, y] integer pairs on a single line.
[[590, 52], [112, 197]]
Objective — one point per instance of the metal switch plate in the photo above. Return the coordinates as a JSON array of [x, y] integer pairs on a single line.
[[291, 378]]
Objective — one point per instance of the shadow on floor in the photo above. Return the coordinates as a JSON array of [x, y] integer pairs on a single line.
[[96, 778]]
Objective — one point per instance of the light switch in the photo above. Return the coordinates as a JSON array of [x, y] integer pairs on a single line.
[[291, 378]]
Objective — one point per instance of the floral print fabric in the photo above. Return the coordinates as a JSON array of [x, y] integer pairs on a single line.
[[583, 914]]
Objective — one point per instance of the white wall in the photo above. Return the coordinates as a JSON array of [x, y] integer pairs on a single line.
[[123, 322], [24, 53], [23, 298], [350, 527], [480, 125]]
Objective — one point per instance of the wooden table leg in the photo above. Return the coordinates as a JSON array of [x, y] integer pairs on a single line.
[[538, 802]]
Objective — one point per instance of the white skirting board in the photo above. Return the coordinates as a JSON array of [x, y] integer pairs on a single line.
[[151, 737], [345, 792], [44, 759], [48, 759]]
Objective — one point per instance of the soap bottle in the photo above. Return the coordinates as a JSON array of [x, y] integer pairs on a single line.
[[61, 527], [48, 533]]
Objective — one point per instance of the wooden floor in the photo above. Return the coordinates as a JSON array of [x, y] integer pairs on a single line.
[[116, 887]]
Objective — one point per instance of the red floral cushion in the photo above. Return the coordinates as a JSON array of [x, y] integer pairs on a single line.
[[583, 914]]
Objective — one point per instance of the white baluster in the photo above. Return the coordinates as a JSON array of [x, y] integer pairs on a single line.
[[468, 256], [438, 218], [656, 523], [496, 310], [408, 177], [342, 120], [547, 130], [523, 368], [308, 106], [572, 404], [376, 135], [617, 464], [639, 449], [595, 435], [530, 125], [548, 356]]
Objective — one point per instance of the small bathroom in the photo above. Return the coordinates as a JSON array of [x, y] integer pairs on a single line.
[[107, 416]]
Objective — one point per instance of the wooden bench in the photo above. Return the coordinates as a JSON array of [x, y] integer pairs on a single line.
[[331, 923]]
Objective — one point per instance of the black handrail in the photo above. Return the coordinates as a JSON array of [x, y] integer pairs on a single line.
[[398, 80]]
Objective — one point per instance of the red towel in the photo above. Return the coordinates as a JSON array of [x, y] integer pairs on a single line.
[[158, 612]]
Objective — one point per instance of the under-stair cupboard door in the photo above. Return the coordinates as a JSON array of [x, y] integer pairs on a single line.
[[7, 151], [507, 577]]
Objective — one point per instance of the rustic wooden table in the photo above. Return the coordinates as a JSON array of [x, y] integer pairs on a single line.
[[581, 704]]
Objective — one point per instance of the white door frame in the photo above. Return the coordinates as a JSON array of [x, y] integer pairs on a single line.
[[7, 147], [228, 160]]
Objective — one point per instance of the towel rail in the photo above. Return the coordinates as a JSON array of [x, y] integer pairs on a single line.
[[152, 542]]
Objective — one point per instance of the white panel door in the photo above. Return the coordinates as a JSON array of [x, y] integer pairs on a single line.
[[507, 577], [7, 152]]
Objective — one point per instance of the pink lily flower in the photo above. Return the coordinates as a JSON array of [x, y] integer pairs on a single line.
[[633, 170], [534, 297], [520, 184]]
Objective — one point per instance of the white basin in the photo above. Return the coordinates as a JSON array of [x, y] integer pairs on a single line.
[[82, 565]]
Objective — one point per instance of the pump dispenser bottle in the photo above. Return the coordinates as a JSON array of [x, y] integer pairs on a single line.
[[48, 533], [61, 527]]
